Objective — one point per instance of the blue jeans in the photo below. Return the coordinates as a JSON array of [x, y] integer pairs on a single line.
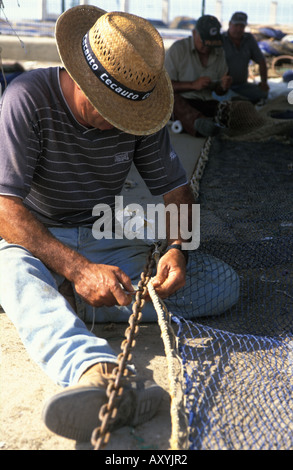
[[248, 91], [251, 91], [57, 338]]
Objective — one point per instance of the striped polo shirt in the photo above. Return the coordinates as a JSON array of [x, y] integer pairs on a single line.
[[61, 169]]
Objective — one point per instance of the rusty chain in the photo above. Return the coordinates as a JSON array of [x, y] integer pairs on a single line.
[[108, 412]]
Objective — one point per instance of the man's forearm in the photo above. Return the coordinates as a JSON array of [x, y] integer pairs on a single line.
[[171, 270], [179, 87], [19, 226], [183, 224], [97, 284], [263, 71]]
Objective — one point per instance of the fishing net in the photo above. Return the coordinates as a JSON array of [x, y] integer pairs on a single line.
[[238, 365]]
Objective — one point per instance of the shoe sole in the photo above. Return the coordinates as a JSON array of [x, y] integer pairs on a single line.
[[74, 413]]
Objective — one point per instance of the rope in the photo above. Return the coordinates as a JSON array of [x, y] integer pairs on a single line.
[[198, 172], [179, 435]]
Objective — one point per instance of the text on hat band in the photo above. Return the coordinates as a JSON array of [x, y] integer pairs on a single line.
[[213, 42], [106, 78]]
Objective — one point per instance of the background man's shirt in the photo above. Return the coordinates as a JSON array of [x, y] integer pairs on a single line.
[[183, 65]]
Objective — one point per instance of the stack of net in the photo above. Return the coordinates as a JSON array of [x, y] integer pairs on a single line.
[[238, 367]]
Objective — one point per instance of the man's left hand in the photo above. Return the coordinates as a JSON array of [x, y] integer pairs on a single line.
[[226, 82], [171, 272], [264, 86]]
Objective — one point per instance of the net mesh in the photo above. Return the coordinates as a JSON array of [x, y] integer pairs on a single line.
[[238, 365]]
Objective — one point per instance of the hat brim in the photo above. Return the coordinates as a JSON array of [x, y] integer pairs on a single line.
[[213, 42], [139, 118], [239, 22]]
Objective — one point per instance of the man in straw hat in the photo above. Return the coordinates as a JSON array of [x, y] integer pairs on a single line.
[[197, 67], [68, 138]]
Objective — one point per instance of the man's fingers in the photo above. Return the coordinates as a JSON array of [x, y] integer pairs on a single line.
[[121, 295]]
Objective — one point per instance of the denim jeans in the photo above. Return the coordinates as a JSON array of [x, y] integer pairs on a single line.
[[57, 338], [187, 111], [250, 91]]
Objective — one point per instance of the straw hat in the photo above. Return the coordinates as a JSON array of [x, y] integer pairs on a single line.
[[246, 123], [117, 59]]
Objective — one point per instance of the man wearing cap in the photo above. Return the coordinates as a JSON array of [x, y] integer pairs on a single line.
[[240, 48], [197, 67], [68, 137]]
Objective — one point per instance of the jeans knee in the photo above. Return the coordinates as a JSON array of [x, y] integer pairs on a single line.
[[232, 288], [211, 289]]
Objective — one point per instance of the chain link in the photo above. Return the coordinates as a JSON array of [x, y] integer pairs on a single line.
[[108, 412]]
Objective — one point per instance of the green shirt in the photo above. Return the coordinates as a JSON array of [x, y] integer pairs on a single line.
[[183, 65]]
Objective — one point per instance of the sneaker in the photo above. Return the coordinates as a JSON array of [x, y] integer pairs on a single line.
[[74, 413], [207, 127]]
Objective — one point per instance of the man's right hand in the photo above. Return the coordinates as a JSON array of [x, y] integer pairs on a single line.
[[201, 83], [102, 284]]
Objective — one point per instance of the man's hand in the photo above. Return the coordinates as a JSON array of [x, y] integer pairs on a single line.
[[226, 82], [101, 284], [201, 83], [171, 270], [264, 86], [171, 273]]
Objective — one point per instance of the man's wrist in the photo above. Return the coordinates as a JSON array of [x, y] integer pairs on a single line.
[[177, 246]]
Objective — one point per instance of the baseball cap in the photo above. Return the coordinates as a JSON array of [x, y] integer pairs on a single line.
[[209, 29], [239, 18]]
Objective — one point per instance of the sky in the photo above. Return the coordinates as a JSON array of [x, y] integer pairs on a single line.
[[258, 11]]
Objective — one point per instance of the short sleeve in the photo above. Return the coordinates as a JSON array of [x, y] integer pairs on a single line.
[[19, 144], [158, 163], [256, 53], [172, 60]]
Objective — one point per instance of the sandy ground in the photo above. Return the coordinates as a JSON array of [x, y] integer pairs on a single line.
[[24, 388]]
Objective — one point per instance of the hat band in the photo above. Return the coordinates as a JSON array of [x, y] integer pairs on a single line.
[[105, 77]]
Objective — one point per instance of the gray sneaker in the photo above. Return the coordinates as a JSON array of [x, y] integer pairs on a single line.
[[207, 127], [74, 413]]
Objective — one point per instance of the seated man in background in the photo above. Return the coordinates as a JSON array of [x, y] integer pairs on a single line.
[[240, 48], [197, 67]]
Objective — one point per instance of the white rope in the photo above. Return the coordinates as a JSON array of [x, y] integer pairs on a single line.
[[198, 172], [179, 435]]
